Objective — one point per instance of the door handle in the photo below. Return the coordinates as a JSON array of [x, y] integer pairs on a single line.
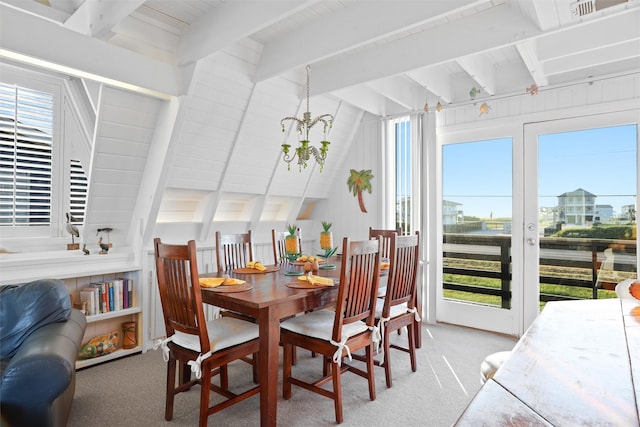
[[531, 241]]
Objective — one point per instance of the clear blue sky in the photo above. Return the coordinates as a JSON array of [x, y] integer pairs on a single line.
[[601, 161]]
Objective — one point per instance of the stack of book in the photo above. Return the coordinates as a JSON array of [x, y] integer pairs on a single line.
[[107, 296]]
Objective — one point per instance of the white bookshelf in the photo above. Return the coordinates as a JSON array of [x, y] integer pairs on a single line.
[[77, 271]]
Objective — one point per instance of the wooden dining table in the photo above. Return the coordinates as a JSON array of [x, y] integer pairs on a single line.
[[578, 364], [269, 301]]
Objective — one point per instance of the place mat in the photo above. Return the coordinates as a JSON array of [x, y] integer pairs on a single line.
[[299, 284], [232, 281], [231, 288], [246, 270], [293, 273]]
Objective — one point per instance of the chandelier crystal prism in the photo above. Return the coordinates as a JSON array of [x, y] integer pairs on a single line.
[[305, 150]]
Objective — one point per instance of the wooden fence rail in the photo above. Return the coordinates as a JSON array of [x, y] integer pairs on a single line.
[[489, 256]]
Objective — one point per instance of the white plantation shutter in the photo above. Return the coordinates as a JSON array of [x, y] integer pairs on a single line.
[[26, 137], [78, 191]]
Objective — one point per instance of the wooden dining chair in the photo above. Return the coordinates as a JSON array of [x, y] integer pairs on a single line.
[[279, 247], [335, 334], [233, 250], [192, 343], [385, 243], [386, 235], [398, 308]]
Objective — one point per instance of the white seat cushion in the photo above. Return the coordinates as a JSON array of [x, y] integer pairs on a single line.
[[395, 310], [491, 363], [223, 332], [319, 324]]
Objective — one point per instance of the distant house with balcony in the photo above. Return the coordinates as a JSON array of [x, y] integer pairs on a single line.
[[577, 208], [452, 212], [603, 214], [628, 213]]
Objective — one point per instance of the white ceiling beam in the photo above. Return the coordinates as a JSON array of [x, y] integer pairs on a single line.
[[364, 98], [37, 9], [99, 60], [232, 21], [590, 36], [435, 81], [96, 18], [527, 51], [619, 52], [480, 70], [546, 13], [355, 25], [499, 26], [401, 91]]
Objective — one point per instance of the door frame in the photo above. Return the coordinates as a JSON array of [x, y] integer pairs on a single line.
[[506, 321], [525, 298]]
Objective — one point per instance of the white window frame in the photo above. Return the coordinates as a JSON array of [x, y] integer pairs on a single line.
[[59, 198]]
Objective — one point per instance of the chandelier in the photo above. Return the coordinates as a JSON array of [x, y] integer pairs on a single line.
[[303, 126]]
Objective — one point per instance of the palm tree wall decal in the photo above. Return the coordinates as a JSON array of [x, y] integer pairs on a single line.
[[359, 181]]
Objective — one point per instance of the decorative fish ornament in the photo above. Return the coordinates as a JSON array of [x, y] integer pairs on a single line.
[[533, 89]]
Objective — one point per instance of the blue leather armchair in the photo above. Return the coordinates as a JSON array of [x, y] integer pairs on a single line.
[[40, 336]]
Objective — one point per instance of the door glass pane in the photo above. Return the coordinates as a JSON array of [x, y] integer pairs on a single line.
[[587, 211], [477, 213]]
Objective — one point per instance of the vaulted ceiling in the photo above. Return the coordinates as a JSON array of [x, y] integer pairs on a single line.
[[233, 68], [385, 57]]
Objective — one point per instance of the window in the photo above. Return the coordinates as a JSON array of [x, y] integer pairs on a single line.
[[41, 172], [403, 172], [26, 139]]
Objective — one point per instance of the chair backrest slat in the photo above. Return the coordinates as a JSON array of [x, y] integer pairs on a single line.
[[359, 280], [233, 250], [279, 245], [179, 288], [403, 271]]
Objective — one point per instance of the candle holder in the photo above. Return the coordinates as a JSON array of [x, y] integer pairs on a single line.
[[328, 253], [290, 258]]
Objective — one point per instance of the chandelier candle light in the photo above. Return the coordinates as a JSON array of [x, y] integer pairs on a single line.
[[303, 126]]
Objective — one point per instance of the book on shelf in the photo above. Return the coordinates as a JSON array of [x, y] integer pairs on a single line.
[[107, 296], [111, 306]]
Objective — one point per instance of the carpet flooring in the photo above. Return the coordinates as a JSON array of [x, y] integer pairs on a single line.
[[131, 391]]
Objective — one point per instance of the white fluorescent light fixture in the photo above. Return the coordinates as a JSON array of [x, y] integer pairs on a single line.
[[81, 74]]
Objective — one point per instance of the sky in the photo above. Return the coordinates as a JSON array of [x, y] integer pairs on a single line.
[[601, 161]]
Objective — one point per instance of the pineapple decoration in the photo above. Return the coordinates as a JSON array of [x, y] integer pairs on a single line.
[[326, 236], [291, 243]]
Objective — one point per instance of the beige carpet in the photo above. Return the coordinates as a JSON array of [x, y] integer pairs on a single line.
[[131, 391]]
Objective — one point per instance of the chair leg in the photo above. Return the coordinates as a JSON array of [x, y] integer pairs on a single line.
[[412, 346], [387, 361], [370, 377], [171, 385], [256, 368], [224, 377], [337, 392], [205, 389], [287, 350]]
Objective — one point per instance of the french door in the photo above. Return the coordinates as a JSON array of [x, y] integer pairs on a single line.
[[508, 201]]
